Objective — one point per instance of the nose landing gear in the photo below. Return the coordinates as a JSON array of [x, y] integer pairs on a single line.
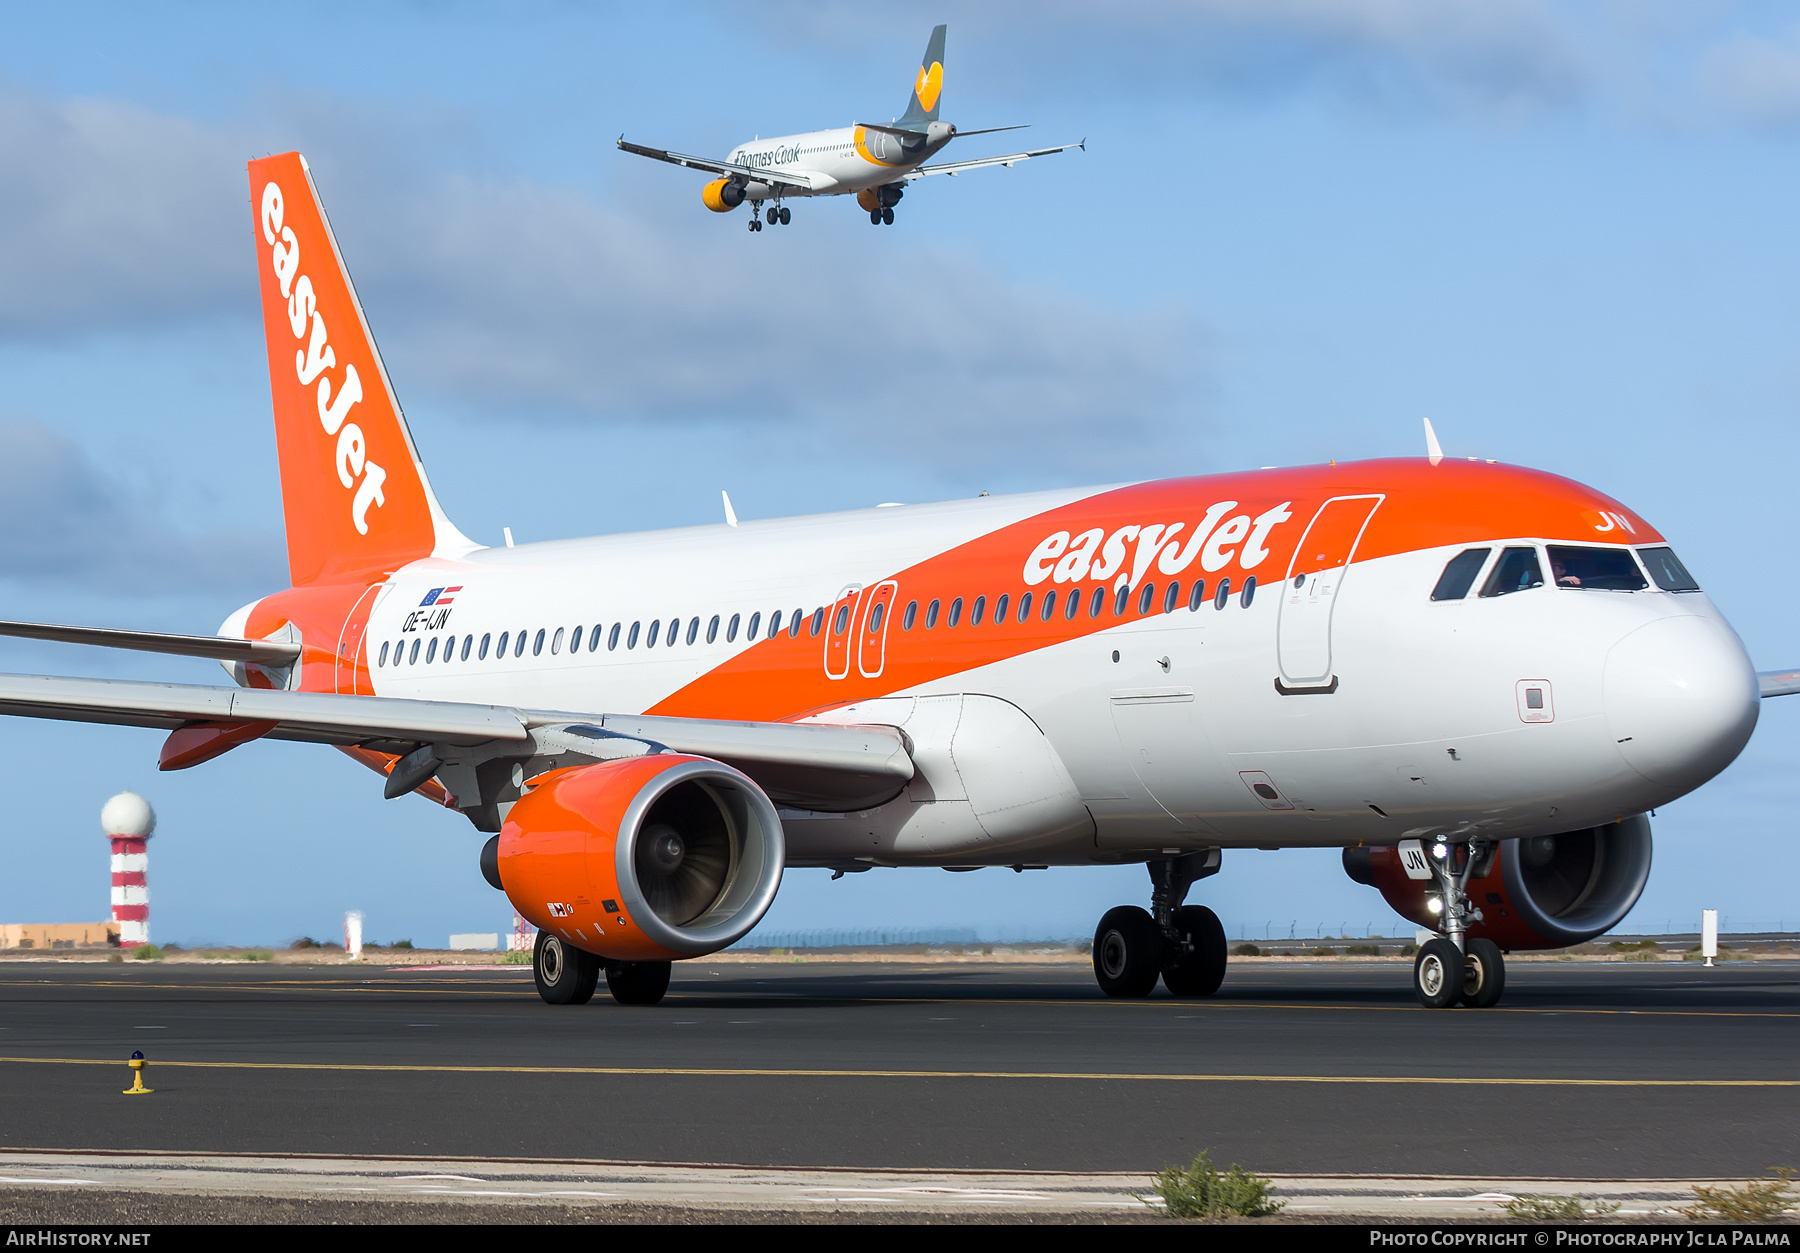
[[1455, 968], [1184, 945]]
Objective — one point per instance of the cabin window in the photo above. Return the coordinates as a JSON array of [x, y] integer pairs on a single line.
[[1249, 592], [575, 642], [1047, 610], [1516, 571], [1197, 597], [1459, 574], [976, 611], [875, 616], [1000, 607], [841, 620], [655, 633], [931, 615], [1121, 600], [1025, 607], [1596, 569], [795, 623], [504, 637], [1097, 602], [519, 645], [955, 617], [594, 637], [449, 647], [413, 656], [1172, 597], [1667, 571], [431, 651], [818, 620], [755, 626], [612, 636], [712, 629], [693, 632], [775, 624], [384, 653], [731, 630], [485, 640], [1146, 597], [468, 646], [555, 641], [906, 619], [1223, 594], [631, 638]]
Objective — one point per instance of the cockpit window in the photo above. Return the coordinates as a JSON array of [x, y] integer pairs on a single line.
[[1516, 571], [1596, 569], [1666, 569], [1459, 575]]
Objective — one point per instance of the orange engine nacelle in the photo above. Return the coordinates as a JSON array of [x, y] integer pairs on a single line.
[[650, 858], [1543, 891], [722, 195]]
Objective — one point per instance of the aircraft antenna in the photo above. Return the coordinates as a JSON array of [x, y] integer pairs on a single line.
[[1434, 452], [730, 513]]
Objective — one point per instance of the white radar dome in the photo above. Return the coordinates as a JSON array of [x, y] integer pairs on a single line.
[[128, 814]]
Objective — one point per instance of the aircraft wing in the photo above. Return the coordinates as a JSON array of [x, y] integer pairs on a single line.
[[218, 647], [1779, 682], [726, 168], [1011, 158], [810, 766]]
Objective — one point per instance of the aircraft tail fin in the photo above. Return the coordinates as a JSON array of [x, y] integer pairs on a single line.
[[922, 108], [353, 491]]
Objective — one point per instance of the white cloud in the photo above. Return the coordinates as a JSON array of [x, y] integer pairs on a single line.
[[66, 520], [1755, 78]]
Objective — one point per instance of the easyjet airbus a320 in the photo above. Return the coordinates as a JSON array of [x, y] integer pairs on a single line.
[[1474, 679], [873, 163]]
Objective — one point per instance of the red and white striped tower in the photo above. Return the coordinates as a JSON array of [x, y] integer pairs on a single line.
[[128, 822]]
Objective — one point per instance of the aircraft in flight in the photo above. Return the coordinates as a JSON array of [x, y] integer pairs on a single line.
[[868, 161], [1474, 679]]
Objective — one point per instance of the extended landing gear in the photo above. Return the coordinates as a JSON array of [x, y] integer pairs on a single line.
[[637, 983], [1455, 968], [882, 216], [779, 215], [1184, 945], [565, 975]]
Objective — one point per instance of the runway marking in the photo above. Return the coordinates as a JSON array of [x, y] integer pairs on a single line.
[[747, 1072]]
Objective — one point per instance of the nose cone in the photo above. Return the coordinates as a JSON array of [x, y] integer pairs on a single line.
[[1681, 699]]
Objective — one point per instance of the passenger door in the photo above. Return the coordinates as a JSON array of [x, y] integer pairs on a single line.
[[871, 652], [840, 626], [1314, 579]]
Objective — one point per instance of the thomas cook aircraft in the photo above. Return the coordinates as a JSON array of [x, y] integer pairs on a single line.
[[1476, 680], [872, 163]]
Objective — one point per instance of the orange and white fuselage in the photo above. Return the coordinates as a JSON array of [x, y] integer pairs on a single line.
[[1147, 720]]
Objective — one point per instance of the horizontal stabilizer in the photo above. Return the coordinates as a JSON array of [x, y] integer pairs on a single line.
[[1779, 682], [954, 168], [219, 648]]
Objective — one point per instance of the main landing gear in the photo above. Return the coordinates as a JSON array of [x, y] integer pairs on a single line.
[[779, 215], [1455, 968], [1183, 945], [566, 975], [883, 216]]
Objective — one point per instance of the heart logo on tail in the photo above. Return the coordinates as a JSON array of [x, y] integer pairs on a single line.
[[929, 83]]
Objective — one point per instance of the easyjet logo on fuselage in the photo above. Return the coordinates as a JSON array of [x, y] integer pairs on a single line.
[[314, 362], [1170, 547]]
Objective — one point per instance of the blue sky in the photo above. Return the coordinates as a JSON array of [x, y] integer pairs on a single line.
[[1562, 232]]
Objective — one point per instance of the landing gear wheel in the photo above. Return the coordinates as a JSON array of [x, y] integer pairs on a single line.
[[887, 217], [874, 217], [1438, 974], [755, 225], [787, 215], [773, 216], [565, 975], [637, 983], [1484, 974], [1198, 966], [1127, 952]]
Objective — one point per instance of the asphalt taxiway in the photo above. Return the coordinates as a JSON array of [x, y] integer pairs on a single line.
[[1587, 1071]]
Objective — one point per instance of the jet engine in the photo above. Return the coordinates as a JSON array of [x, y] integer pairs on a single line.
[[1541, 891], [722, 195], [651, 858]]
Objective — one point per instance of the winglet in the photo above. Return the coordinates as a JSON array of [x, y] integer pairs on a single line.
[[730, 513], [1434, 452]]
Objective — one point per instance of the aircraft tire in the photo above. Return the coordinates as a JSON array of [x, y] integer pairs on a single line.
[[1484, 974], [565, 975], [874, 217], [787, 215], [1201, 970], [637, 983], [1127, 952], [1437, 974], [887, 217]]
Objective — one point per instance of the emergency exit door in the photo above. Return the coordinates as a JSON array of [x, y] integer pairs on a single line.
[[1315, 579]]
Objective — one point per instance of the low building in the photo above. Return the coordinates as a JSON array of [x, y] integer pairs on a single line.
[[54, 935]]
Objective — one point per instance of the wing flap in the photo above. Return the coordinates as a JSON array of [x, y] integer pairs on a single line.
[[727, 168], [1779, 682]]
